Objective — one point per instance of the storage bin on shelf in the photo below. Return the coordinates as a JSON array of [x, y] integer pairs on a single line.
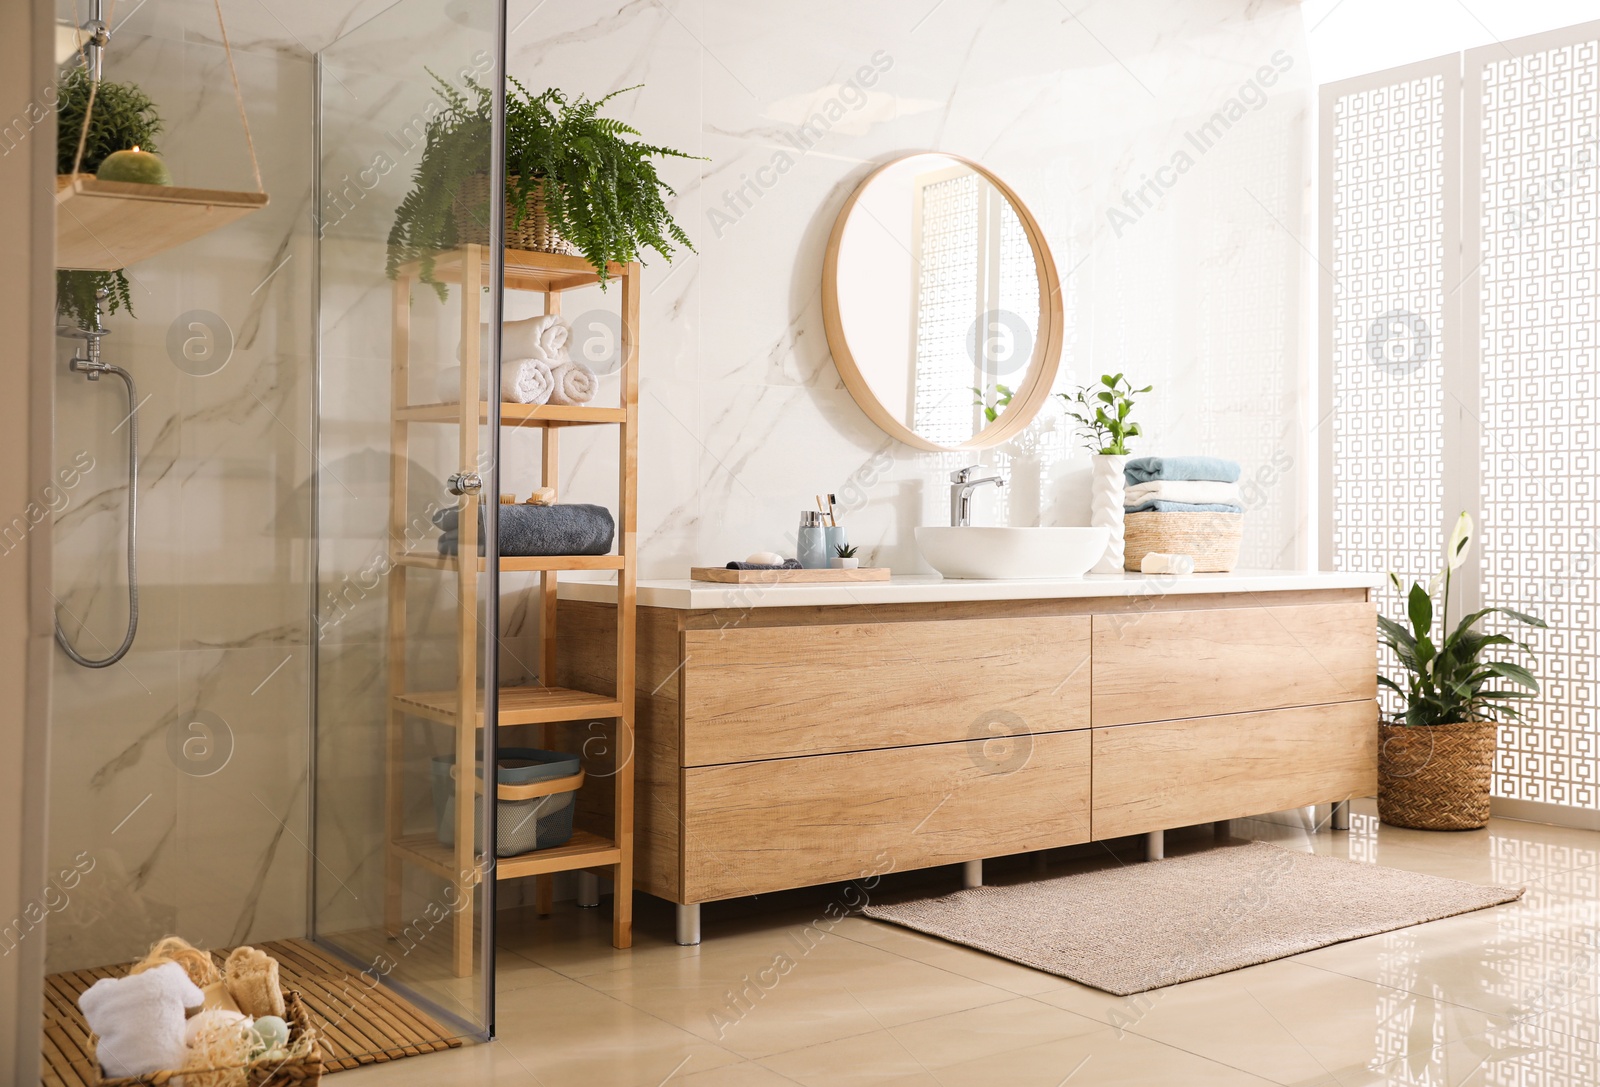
[[1212, 538], [536, 797]]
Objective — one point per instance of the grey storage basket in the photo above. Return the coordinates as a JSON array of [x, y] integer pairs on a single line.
[[535, 801]]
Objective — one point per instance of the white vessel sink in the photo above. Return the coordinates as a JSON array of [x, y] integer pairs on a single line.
[[1003, 553]]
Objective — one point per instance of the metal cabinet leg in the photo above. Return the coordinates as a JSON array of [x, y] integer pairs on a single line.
[[688, 925], [588, 890], [1340, 819], [972, 874], [1155, 845]]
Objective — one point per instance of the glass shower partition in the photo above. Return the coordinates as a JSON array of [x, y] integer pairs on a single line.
[[409, 126]]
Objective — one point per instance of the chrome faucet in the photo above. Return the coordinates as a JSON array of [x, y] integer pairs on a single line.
[[962, 484]]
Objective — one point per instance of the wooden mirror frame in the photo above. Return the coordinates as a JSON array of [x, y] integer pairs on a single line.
[[1027, 399]]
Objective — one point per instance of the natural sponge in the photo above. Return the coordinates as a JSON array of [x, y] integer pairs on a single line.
[[251, 978], [196, 963]]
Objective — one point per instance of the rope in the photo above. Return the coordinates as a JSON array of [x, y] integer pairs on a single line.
[[88, 108], [238, 97]]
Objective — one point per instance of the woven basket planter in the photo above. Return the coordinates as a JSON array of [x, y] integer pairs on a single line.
[[533, 232], [300, 1071], [1435, 777], [1212, 538]]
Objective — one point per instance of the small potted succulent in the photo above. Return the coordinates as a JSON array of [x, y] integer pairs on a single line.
[[1102, 414], [844, 558], [1436, 756]]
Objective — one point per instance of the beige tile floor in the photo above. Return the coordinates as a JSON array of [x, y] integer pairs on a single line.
[[1507, 996]]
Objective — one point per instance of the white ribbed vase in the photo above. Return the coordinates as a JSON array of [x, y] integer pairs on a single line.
[[1105, 508]]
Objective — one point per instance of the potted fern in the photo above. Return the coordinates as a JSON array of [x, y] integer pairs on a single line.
[[1437, 755], [123, 117], [576, 182], [1102, 413]]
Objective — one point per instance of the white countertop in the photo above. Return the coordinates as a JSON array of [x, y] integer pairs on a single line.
[[932, 589]]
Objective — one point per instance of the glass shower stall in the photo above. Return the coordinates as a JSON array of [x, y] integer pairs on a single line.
[[255, 511]]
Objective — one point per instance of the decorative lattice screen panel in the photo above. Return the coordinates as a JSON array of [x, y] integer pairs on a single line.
[[1534, 215], [1385, 223], [1459, 357]]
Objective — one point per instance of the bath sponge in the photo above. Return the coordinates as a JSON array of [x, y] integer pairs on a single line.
[[252, 980]]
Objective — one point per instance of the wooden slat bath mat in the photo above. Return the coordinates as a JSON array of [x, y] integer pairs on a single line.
[[358, 1022]]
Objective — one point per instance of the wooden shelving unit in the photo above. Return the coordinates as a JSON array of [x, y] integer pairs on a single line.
[[607, 850]]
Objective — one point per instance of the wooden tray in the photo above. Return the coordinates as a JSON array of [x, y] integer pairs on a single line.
[[725, 576]]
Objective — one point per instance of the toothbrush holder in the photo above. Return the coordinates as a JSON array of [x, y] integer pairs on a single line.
[[836, 537]]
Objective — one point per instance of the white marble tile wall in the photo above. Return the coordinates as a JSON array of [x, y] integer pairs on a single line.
[[744, 415]]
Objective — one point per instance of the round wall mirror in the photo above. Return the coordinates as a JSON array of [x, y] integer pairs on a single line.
[[941, 304]]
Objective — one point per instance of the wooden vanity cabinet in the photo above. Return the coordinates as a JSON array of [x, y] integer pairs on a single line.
[[790, 746]]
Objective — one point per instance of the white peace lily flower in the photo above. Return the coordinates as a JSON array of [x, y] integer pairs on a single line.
[[1456, 550]]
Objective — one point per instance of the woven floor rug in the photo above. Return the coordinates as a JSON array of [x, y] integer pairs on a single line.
[[1142, 926]]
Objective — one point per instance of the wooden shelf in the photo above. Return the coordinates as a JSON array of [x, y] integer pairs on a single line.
[[585, 850], [105, 225], [513, 563], [525, 270], [517, 415], [518, 706]]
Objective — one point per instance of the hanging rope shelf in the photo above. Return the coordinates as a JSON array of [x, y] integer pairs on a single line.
[[106, 225]]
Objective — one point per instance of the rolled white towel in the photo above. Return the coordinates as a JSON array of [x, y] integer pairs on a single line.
[[575, 384], [527, 381], [1196, 491], [543, 337], [522, 381]]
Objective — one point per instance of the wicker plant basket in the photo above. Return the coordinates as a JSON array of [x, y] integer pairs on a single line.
[[533, 232], [301, 1070], [1435, 777], [1212, 538]]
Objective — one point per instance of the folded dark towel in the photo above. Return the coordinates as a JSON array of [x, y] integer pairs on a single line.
[[786, 564], [1166, 505], [525, 531], [1145, 469]]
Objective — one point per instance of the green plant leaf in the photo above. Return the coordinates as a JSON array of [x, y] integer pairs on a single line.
[[1515, 673], [1419, 608]]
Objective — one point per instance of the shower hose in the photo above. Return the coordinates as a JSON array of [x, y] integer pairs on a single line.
[[133, 535]]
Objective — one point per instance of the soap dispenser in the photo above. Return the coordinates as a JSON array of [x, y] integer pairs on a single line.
[[811, 543]]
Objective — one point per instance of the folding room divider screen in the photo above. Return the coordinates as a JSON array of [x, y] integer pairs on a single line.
[[1460, 230]]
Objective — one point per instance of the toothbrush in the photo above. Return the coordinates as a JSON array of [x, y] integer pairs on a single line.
[[821, 509], [832, 519]]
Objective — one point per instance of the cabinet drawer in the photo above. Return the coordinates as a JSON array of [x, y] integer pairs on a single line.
[[773, 692], [1161, 666], [766, 826], [1174, 773]]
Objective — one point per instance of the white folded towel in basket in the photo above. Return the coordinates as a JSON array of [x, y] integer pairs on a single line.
[[1193, 491]]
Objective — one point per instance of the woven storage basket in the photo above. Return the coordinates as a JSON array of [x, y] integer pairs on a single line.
[[1435, 777], [1212, 538], [301, 1071], [533, 232]]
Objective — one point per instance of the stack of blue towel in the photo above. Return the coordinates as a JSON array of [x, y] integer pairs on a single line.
[[1182, 485]]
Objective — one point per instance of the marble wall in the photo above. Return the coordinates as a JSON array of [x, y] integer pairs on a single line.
[[1189, 269]]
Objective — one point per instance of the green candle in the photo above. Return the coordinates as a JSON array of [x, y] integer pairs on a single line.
[[137, 166]]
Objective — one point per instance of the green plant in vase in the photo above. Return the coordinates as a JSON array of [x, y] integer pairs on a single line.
[[1435, 765], [596, 182], [1101, 412], [124, 117]]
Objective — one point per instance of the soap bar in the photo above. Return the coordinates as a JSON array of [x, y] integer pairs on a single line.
[[544, 496], [1157, 563], [765, 558]]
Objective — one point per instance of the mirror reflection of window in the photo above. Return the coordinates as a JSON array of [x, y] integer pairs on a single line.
[[977, 300]]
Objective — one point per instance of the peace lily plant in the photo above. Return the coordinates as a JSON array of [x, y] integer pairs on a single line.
[[1437, 754]]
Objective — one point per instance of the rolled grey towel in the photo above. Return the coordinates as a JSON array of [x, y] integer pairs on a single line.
[[786, 564], [526, 531]]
